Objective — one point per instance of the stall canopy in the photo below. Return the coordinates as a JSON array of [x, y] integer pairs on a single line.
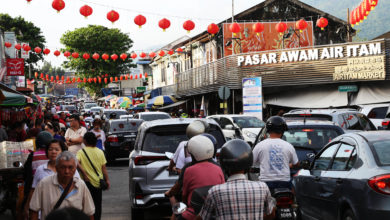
[[173, 105], [378, 92], [311, 97], [13, 99]]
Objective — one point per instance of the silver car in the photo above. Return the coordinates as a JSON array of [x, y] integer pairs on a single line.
[[148, 175]]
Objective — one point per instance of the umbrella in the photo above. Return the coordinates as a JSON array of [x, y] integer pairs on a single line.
[[125, 104], [109, 97], [161, 100], [122, 99]]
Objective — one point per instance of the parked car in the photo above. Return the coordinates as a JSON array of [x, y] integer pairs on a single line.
[[126, 116], [148, 175], [150, 116], [88, 106], [95, 110], [376, 112], [120, 137], [349, 119], [239, 126], [348, 179]]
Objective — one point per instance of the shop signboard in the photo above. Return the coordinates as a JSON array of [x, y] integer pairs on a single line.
[[15, 67], [20, 81], [252, 97], [11, 38], [348, 88], [141, 89], [364, 68]]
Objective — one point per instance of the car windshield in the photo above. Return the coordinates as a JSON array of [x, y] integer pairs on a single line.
[[248, 122], [314, 138], [151, 117], [118, 114], [382, 150], [90, 105]]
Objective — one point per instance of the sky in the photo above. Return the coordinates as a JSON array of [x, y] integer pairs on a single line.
[[53, 25]]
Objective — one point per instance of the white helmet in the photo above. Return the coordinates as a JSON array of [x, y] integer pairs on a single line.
[[201, 148], [196, 127]]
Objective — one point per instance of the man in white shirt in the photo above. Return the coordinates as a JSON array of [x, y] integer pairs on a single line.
[[275, 156], [74, 135]]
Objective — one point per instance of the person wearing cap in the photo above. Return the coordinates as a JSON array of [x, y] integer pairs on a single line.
[[238, 198], [74, 135]]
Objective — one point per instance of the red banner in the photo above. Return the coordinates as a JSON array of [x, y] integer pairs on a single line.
[[269, 39], [15, 67]]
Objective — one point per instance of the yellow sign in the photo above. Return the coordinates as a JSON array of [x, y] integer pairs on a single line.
[[365, 68], [221, 105]]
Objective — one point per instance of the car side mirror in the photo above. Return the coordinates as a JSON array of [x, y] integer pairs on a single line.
[[305, 164], [229, 127]]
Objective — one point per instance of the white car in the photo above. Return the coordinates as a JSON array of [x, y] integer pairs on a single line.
[[376, 112], [126, 116], [150, 116], [234, 126]]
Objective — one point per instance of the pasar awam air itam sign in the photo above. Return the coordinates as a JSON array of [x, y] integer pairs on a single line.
[[15, 67], [335, 52]]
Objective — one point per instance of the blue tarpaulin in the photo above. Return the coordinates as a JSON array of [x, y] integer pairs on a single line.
[[155, 93], [106, 92]]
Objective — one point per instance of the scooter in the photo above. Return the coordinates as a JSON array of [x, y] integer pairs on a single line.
[[285, 206]]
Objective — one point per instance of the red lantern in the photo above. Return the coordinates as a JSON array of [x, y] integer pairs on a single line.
[[7, 44], [100, 80], [52, 78], [140, 75], [322, 23], [85, 80], [47, 77], [170, 52], [46, 51], [212, 29], [75, 55], [67, 78], [258, 28], [146, 75], [133, 55], [86, 56], [142, 55], [121, 78], [95, 56], [234, 28], [164, 24], [67, 54], [114, 57], [353, 18], [106, 75], [179, 50], [95, 80], [131, 77], [136, 76], [36, 74], [362, 12], [123, 56], [37, 50], [374, 3], [301, 25], [152, 54], [78, 79], [105, 57], [105, 80], [86, 11], [57, 53], [18, 47], [139, 20], [28, 1], [74, 79], [26, 47], [188, 26], [161, 53], [116, 79], [367, 6], [62, 78], [58, 5], [57, 77], [281, 27], [111, 79], [42, 76], [126, 77], [112, 16]]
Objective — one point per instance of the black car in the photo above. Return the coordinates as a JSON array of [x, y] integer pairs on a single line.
[[120, 137], [348, 179]]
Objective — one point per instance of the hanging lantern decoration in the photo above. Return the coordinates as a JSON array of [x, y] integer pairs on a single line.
[[111, 79], [41, 76], [142, 55], [121, 78], [28, 1], [301, 25], [112, 16], [136, 76], [188, 26], [95, 56], [114, 57], [234, 28], [140, 75], [322, 23], [86, 56], [37, 50], [67, 54], [126, 77], [52, 78], [7, 44], [357, 15], [74, 80], [362, 11], [152, 54], [57, 77], [171, 52], [164, 24], [374, 3], [367, 6], [85, 80], [47, 77], [140, 20], [105, 80], [179, 50], [161, 53], [353, 17], [133, 55], [212, 29], [75, 55], [57, 53], [100, 80], [36, 74], [281, 27], [116, 79], [105, 56], [146, 75], [258, 28], [18, 47], [78, 80], [123, 56], [95, 80], [62, 78], [26, 47], [58, 5], [86, 11], [46, 51], [131, 77]]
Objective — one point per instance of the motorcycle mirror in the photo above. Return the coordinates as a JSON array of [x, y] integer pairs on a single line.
[[179, 208], [169, 155], [17, 164]]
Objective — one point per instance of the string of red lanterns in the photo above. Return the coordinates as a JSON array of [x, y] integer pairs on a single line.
[[99, 79], [361, 12]]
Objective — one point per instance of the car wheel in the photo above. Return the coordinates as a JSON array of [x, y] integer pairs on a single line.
[[348, 215], [135, 213]]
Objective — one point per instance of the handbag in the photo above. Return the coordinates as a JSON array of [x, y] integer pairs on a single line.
[[102, 182]]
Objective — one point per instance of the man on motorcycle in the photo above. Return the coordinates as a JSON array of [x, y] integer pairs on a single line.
[[238, 198], [275, 156]]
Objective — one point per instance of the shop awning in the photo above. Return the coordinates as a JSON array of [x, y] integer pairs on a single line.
[[311, 97], [13, 99], [174, 104], [378, 92]]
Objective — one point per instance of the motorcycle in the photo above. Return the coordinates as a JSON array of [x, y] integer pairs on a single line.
[[285, 205]]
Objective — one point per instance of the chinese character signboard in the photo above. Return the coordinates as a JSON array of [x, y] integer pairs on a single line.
[[141, 89], [15, 67], [252, 98], [364, 68]]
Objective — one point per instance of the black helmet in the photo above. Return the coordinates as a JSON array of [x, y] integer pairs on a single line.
[[43, 139], [276, 124], [236, 155]]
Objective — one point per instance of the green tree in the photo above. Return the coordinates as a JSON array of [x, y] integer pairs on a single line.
[[47, 68], [97, 39], [25, 32]]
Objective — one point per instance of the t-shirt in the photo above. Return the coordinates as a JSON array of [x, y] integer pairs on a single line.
[[53, 110], [180, 157], [274, 156], [70, 133], [43, 171], [101, 139], [98, 159]]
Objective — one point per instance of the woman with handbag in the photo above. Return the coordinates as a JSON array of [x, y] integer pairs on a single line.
[[93, 164]]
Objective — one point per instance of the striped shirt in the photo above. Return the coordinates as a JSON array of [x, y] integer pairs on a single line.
[[39, 158], [238, 198]]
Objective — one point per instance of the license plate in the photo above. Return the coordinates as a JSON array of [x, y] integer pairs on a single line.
[[285, 214]]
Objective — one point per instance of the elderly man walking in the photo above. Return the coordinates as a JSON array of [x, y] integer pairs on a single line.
[[61, 190]]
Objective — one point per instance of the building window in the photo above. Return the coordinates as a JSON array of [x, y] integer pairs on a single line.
[[163, 75]]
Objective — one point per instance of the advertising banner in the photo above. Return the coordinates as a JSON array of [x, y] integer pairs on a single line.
[[269, 39], [252, 98], [72, 91], [24, 54], [15, 67], [20, 81], [11, 38]]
